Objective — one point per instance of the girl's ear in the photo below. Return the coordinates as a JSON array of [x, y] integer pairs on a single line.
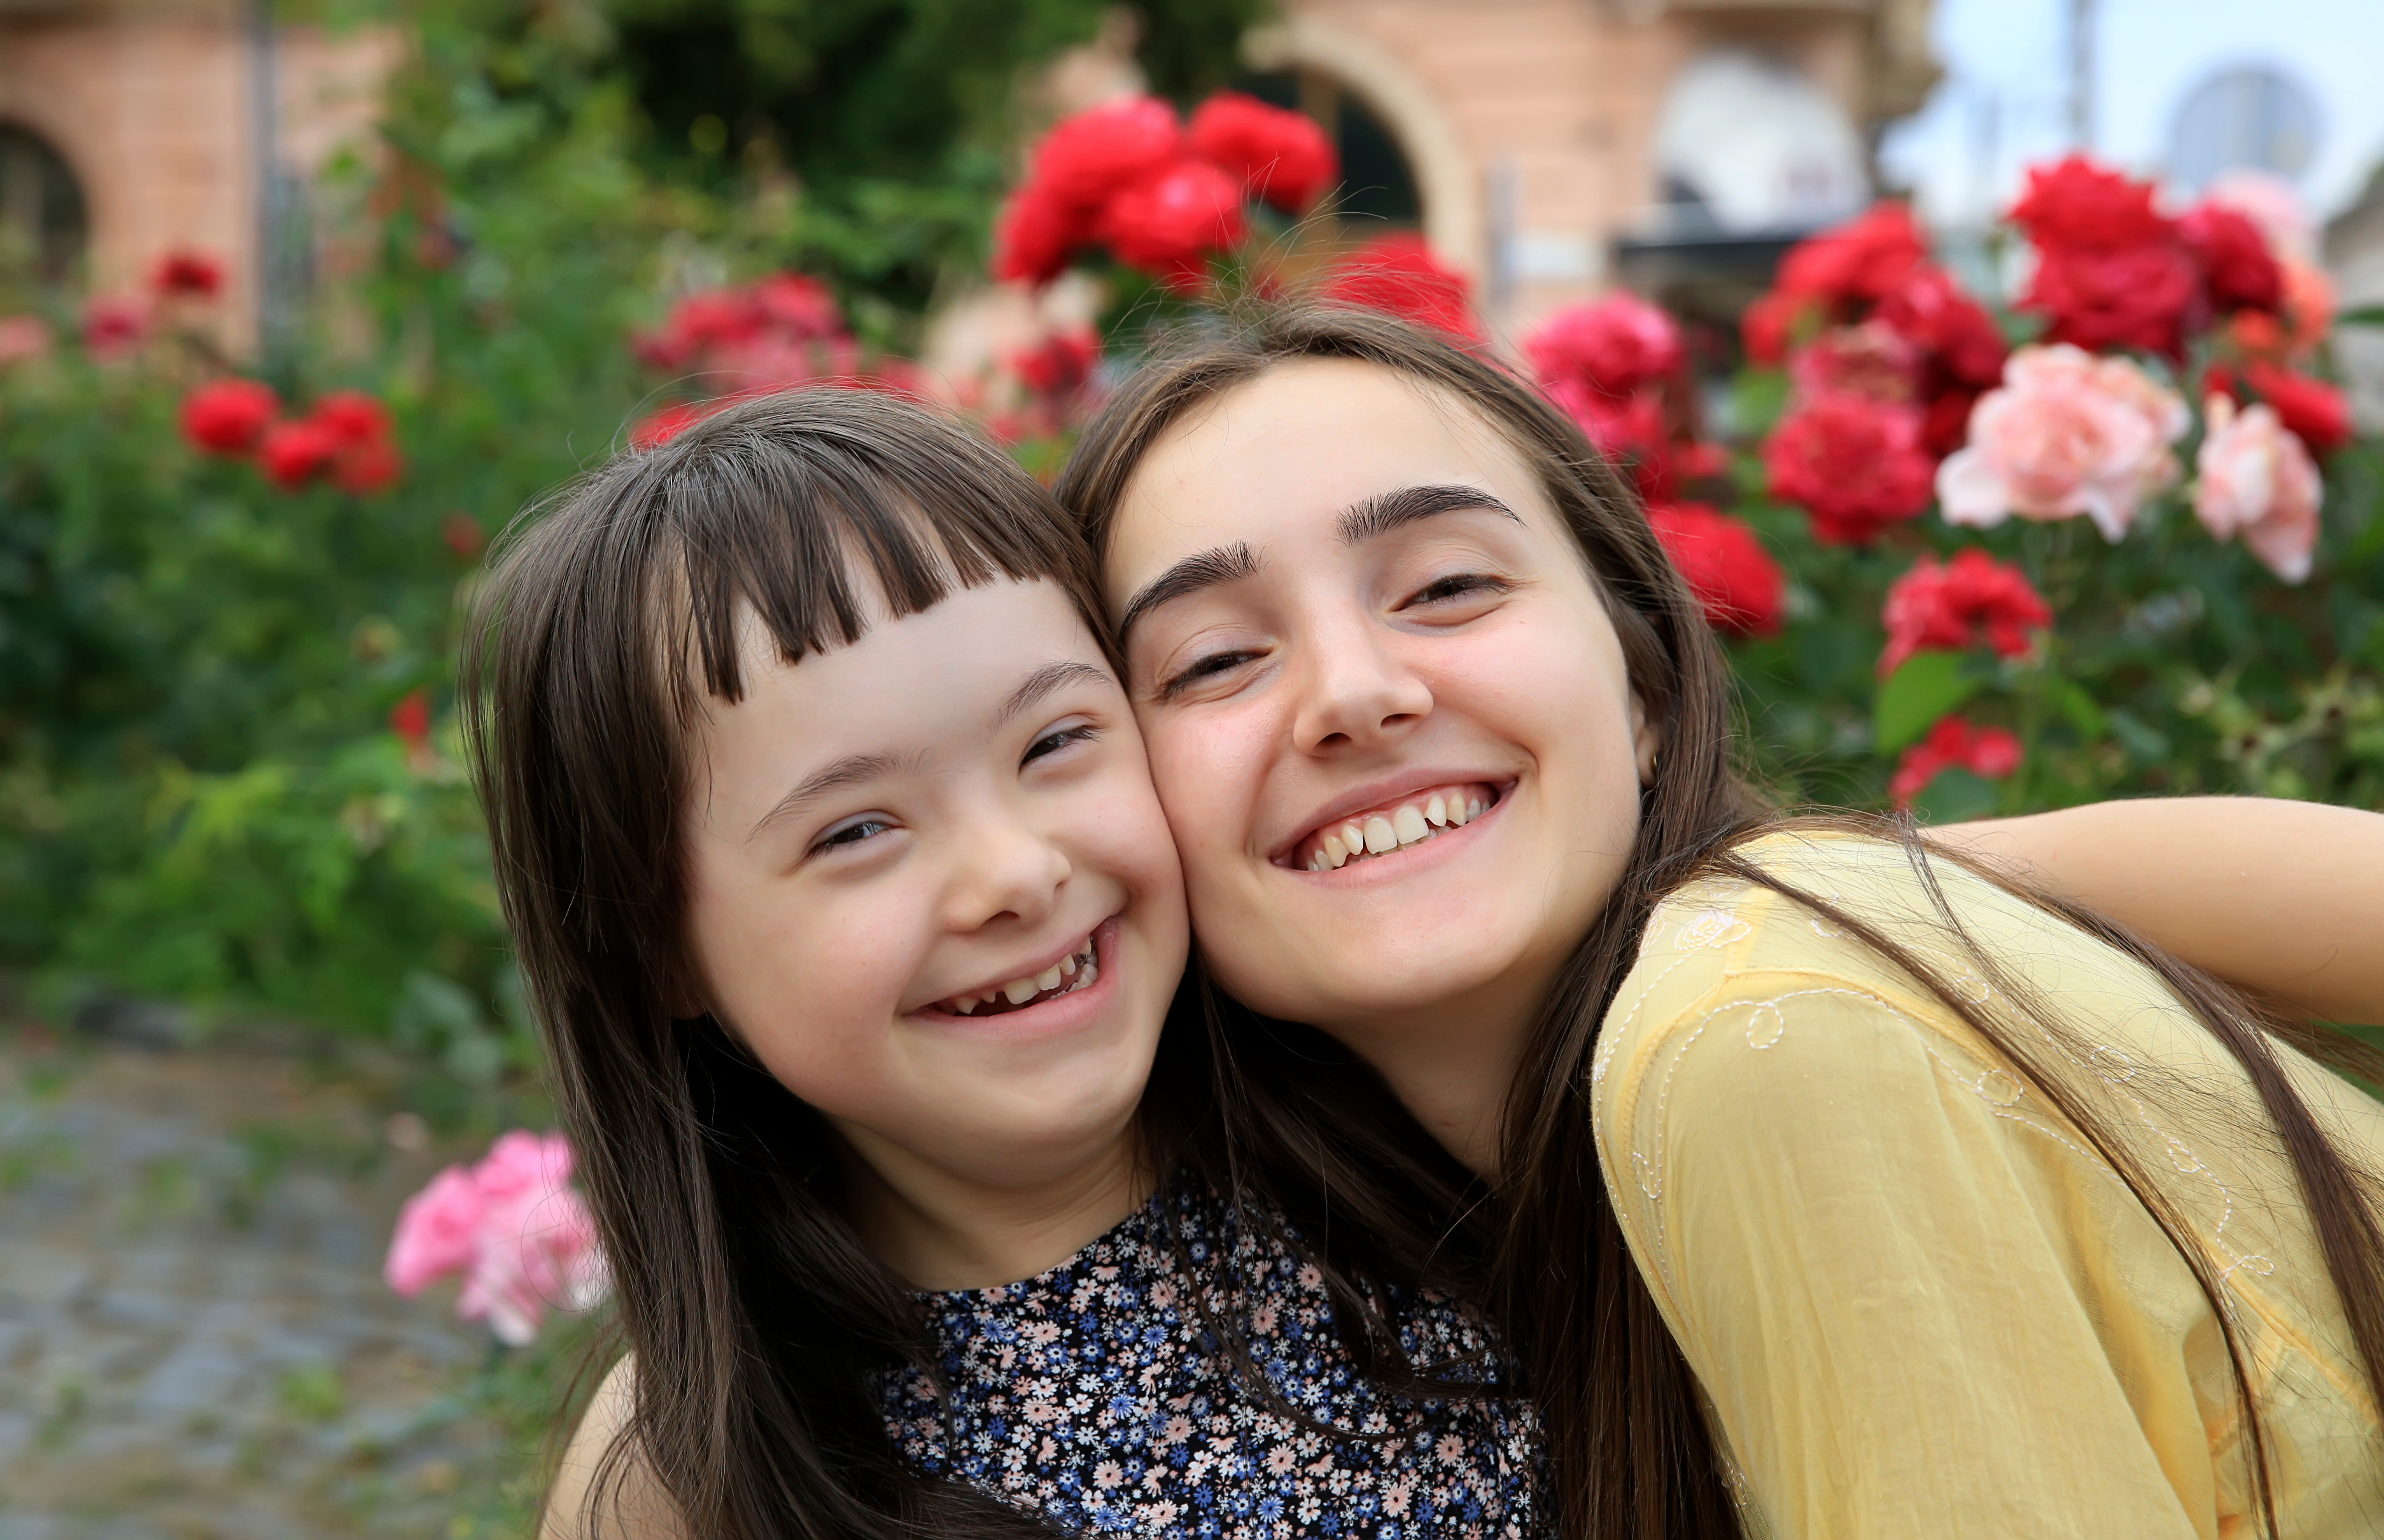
[[1646, 739]]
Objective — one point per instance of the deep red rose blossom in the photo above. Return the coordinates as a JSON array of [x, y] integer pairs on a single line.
[[228, 416], [2125, 297], [1740, 588], [1168, 223], [1282, 156], [410, 718], [1035, 234], [186, 274], [1398, 274], [1090, 157], [296, 452], [2075, 202], [657, 428], [1991, 753], [1958, 334], [2239, 271], [1855, 466], [113, 326], [799, 305], [352, 418], [1861, 261], [2316, 412], [1060, 365], [1613, 346], [1955, 605]]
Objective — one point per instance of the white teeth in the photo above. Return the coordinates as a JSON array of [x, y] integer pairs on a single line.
[[1380, 836], [1353, 839], [1435, 811], [1068, 965], [1018, 991], [1472, 809], [1335, 853], [1458, 816], [1409, 824], [1092, 975], [1047, 980], [965, 1005]]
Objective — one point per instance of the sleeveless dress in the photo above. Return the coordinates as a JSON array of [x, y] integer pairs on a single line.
[[1092, 1394]]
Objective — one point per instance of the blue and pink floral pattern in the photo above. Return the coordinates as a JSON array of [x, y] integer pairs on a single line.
[[1095, 1394]]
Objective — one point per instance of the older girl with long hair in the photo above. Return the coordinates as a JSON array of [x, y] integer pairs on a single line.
[[1847, 1189]]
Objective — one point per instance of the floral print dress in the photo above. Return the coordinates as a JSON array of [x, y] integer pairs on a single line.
[[1093, 1394]]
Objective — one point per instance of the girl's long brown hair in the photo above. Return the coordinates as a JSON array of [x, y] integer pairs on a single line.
[[1629, 1452], [758, 1320]]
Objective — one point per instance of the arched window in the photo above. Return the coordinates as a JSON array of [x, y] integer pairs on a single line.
[[1378, 189], [43, 225]]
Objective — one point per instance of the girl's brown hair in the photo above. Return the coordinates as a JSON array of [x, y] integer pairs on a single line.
[[1630, 1454], [758, 1320]]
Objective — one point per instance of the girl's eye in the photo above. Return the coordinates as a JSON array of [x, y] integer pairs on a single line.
[[846, 836], [1058, 739], [1203, 668], [1456, 586]]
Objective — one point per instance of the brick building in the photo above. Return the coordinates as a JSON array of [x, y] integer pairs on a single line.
[[1536, 142]]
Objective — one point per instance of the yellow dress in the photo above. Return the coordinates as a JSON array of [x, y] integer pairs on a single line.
[[1917, 1303]]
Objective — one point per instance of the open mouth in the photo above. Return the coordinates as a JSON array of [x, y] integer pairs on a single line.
[[1413, 819], [1080, 969]]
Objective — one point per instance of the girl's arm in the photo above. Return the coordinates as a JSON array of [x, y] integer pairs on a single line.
[[634, 1505], [2285, 898]]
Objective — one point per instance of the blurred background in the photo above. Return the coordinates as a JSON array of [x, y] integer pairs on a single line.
[[301, 302]]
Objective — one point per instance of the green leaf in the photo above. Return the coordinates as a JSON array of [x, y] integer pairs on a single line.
[[1915, 696], [2366, 314], [1955, 797]]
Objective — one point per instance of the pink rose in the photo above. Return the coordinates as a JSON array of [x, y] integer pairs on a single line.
[[23, 338], [435, 1232], [2065, 434], [1873, 360], [2257, 481]]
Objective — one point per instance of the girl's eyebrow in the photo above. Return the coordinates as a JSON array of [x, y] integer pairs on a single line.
[[1384, 512], [1043, 681], [851, 770]]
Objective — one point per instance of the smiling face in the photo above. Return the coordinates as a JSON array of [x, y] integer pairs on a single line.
[[1386, 710], [931, 889]]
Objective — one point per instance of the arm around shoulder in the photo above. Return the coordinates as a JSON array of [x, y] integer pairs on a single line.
[[2282, 898], [592, 1500]]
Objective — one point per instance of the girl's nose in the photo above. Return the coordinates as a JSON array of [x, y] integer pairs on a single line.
[[1356, 692], [1008, 869]]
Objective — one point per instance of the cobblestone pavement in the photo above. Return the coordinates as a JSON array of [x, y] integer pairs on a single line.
[[194, 1337]]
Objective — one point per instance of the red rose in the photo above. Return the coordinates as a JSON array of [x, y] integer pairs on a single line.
[[1282, 156], [798, 306], [657, 428], [2239, 271], [113, 326], [410, 718], [1945, 422], [367, 467], [1725, 564], [2316, 412], [1953, 744], [352, 418], [1768, 325], [1060, 365], [463, 535], [2076, 203], [1958, 334], [1861, 261], [1092, 156], [1872, 360], [1613, 346], [1168, 223], [295, 453], [1398, 274], [1955, 605], [1035, 235], [228, 416], [2121, 297], [1855, 466], [187, 275]]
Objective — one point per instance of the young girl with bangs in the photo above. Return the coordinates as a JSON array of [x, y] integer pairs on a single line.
[[851, 922], [1849, 1188]]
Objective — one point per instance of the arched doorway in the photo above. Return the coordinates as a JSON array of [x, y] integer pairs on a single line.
[[45, 226]]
